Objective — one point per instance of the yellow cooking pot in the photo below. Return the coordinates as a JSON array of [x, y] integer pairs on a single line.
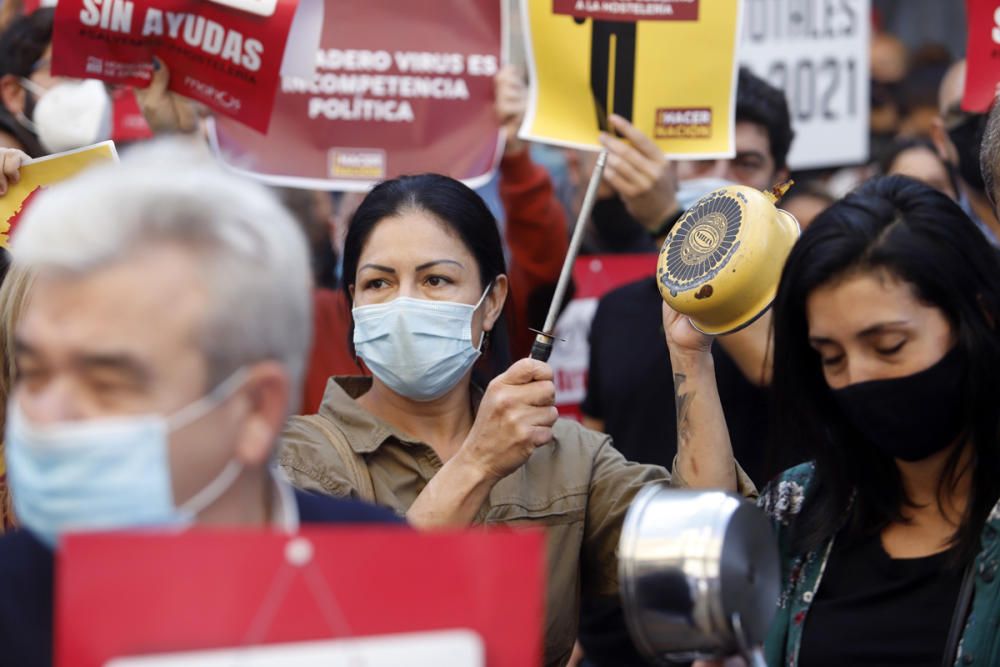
[[721, 263]]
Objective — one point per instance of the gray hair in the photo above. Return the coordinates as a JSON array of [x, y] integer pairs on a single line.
[[989, 154], [252, 252]]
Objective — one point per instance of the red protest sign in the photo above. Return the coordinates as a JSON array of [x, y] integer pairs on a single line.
[[225, 58], [982, 68], [133, 595], [127, 121], [636, 10], [401, 87]]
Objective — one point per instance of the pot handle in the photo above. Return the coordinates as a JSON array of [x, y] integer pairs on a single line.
[[754, 655]]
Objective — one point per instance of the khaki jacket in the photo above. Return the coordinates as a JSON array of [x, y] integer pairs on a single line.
[[578, 488]]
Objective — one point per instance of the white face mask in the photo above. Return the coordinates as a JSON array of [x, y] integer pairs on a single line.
[[106, 474], [70, 114], [419, 348]]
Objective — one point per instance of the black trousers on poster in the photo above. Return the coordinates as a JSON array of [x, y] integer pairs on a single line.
[[624, 69]]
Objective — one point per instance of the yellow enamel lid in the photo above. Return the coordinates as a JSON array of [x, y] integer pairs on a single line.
[[721, 263]]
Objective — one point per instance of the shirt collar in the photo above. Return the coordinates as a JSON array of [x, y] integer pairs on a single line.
[[364, 431]]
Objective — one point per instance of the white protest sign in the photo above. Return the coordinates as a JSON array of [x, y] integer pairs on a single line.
[[817, 52], [460, 648]]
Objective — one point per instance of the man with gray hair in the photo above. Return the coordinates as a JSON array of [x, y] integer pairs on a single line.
[[159, 354]]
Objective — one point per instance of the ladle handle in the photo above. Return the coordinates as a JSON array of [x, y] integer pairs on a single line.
[[542, 347]]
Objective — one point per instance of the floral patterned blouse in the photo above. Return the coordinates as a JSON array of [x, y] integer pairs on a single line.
[[802, 573], [6, 514]]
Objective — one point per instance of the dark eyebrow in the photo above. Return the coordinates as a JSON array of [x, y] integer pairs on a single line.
[[816, 340], [378, 267], [117, 363], [870, 331], [878, 328], [21, 347], [754, 154], [428, 265]]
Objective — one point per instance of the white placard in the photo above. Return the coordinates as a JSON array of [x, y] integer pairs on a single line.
[[303, 40], [571, 353], [817, 52], [457, 648]]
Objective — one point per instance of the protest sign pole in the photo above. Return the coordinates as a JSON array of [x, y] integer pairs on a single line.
[[542, 347]]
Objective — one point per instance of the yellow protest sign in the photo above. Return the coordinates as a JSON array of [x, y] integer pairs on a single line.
[[45, 171], [668, 66]]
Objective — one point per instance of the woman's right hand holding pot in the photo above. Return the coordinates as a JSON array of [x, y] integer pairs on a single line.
[[682, 338]]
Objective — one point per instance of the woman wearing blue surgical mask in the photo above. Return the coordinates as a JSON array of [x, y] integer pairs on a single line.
[[887, 379], [424, 269]]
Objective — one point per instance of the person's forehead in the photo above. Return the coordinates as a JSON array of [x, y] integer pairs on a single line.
[[416, 236], [150, 305], [857, 302], [752, 137], [952, 88], [918, 160]]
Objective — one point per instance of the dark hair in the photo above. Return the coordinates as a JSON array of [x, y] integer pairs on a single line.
[[22, 45], [901, 145], [989, 154], [759, 102], [450, 202], [919, 235]]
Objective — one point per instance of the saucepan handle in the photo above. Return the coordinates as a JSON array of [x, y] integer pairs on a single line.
[[754, 655]]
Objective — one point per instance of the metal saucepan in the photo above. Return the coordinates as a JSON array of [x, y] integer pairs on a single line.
[[699, 574]]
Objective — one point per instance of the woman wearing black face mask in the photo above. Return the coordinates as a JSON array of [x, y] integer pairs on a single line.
[[887, 379]]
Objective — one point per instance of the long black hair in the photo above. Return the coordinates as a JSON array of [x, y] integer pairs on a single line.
[[917, 234], [451, 203]]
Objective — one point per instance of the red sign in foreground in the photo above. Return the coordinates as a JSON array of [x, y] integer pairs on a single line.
[[136, 595], [982, 73], [401, 87], [226, 58]]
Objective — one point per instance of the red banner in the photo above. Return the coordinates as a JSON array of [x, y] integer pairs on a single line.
[[982, 73], [127, 122], [629, 10], [225, 58], [133, 595], [401, 87]]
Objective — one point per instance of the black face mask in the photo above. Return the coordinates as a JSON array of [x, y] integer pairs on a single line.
[[968, 137], [912, 417]]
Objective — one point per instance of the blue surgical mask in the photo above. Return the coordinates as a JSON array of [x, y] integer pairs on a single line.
[[417, 347], [691, 190], [105, 474]]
